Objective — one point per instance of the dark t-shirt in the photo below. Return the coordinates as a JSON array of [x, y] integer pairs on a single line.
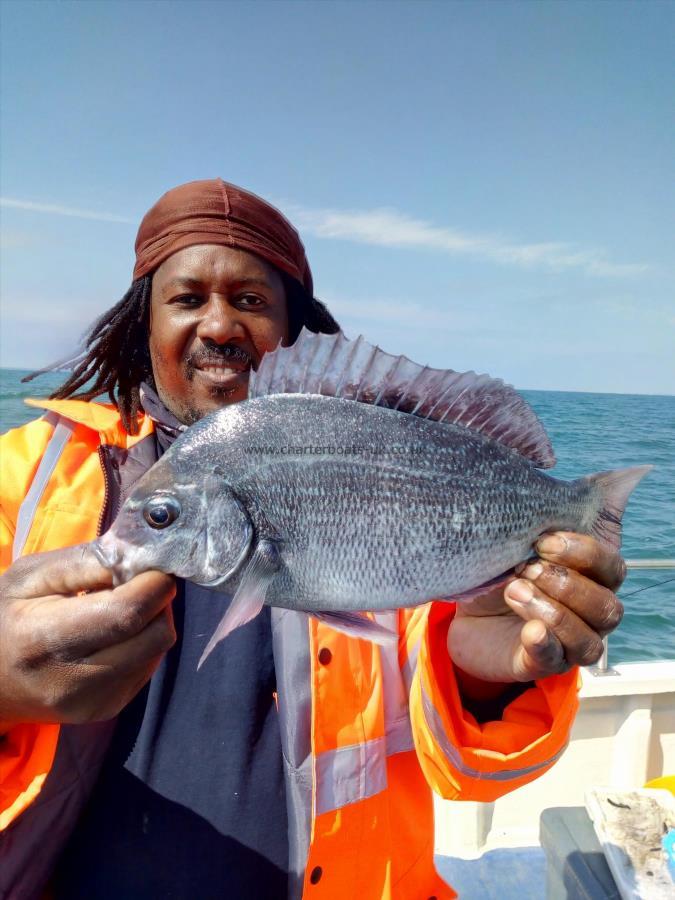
[[190, 802]]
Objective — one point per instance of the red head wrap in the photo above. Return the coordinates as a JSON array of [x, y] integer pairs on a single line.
[[215, 212]]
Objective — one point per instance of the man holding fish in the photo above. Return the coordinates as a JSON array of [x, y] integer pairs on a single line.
[[153, 748]]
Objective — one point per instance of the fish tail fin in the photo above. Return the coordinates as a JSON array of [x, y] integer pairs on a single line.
[[614, 489]]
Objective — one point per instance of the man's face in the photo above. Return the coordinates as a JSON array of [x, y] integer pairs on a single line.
[[214, 312]]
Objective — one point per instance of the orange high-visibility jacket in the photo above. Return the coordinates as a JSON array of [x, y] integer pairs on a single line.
[[366, 730]]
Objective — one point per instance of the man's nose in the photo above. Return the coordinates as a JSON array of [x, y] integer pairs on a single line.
[[220, 322]]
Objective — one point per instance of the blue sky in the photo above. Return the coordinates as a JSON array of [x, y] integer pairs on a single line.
[[479, 185]]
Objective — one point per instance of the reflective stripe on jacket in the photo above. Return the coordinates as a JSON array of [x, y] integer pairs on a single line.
[[365, 730]]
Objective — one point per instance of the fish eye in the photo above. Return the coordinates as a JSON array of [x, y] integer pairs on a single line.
[[161, 511]]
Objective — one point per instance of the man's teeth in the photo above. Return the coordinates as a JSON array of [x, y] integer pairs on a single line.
[[223, 371]]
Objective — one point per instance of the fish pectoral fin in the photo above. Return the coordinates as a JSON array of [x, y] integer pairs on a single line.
[[250, 595], [358, 625]]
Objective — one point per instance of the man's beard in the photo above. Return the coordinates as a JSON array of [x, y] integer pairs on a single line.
[[204, 356]]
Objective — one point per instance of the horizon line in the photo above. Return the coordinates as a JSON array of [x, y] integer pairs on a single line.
[[65, 372]]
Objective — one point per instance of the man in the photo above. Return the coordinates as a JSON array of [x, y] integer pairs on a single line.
[[297, 760]]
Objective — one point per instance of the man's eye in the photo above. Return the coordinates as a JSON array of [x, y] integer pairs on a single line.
[[187, 300], [250, 300]]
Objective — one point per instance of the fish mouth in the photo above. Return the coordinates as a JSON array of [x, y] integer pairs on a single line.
[[107, 551]]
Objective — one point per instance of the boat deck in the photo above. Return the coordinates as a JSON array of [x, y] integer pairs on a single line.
[[623, 737], [501, 874]]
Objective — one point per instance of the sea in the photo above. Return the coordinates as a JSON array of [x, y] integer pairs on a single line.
[[590, 433]]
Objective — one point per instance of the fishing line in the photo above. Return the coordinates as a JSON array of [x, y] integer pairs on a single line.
[[639, 590]]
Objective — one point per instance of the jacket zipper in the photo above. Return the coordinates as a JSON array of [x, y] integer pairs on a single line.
[[106, 492]]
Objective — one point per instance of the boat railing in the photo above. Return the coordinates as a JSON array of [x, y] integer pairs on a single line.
[[602, 666]]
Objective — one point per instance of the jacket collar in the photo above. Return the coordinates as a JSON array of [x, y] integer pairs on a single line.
[[167, 426], [101, 417]]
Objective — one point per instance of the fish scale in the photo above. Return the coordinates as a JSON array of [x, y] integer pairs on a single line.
[[335, 506]]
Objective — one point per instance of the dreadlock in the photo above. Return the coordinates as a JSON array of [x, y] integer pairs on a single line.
[[117, 357], [304, 310]]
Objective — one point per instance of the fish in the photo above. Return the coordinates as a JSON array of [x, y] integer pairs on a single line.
[[352, 481]]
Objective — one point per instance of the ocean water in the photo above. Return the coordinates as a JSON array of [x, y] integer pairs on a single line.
[[590, 433]]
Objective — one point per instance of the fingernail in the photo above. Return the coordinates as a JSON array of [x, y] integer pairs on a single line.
[[520, 591], [534, 571], [552, 544]]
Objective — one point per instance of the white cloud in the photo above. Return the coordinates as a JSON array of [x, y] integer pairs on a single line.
[[12, 203], [13, 240], [390, 228], [60, 314], [390, 311], [35, 310]]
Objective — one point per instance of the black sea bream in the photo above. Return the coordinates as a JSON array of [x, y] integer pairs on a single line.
[[352, 480]]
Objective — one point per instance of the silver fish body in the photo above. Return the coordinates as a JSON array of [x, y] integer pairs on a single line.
[[371, 508], [375, 509]]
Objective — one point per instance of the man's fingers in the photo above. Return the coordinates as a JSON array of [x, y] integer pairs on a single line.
[[596, 605], [581, 644], [478, 651], [585, 554], [66, 572], [540, 654], [80, 626], [99, 686], [490, 603], [151, 643]]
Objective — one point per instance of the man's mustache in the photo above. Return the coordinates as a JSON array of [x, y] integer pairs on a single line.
[[217, 355]]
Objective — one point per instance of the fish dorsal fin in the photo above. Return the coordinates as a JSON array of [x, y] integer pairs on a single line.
[[335, 366]]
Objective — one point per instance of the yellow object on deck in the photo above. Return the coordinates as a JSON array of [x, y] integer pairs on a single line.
[[666, 782]]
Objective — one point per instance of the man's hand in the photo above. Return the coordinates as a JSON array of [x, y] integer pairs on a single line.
[[68, 656], [553, 616]]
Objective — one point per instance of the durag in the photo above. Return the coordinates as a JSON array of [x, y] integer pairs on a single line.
[[215, 212]]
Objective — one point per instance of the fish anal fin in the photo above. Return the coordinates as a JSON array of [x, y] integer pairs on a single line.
[[333, 365], [356, 625], [494, 584]]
